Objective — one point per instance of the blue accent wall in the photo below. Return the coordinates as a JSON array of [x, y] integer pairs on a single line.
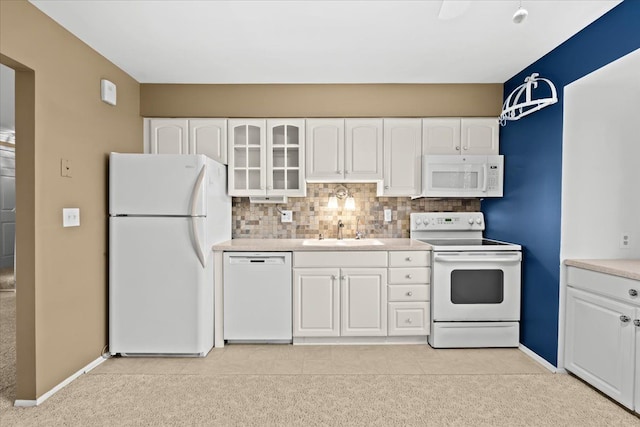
[[529, 212]]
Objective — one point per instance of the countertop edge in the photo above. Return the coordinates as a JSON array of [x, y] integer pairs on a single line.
[[627, 268], [274, 245]]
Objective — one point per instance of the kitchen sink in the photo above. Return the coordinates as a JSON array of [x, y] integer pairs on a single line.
[[343, 242]]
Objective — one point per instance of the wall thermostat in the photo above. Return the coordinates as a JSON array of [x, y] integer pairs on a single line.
[[108, 91]]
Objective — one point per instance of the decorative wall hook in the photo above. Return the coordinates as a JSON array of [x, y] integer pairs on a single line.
[[521, 102]]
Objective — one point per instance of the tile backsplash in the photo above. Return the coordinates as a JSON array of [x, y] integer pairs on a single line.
[[311, 216]]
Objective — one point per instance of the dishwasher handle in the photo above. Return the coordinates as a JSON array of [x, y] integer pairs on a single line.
[[256, 260]]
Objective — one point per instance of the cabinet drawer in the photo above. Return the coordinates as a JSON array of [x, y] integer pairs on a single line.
[[409, 275], [340, 259], [408, 293], [409, 259], [408, 318], [621, 288]]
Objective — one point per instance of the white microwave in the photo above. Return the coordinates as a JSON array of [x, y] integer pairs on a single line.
[[462, 176]]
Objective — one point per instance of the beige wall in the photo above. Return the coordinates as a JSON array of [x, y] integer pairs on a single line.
[[61, 272], [330, 100]]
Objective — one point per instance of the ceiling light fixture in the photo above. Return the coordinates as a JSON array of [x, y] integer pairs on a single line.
[[520, 15]]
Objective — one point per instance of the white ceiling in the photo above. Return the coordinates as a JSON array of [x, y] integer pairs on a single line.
[[321, 41]]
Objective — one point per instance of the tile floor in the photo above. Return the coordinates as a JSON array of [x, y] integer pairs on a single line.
[[356, 359]]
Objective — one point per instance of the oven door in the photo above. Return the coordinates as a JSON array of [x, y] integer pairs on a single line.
[[476, 286]]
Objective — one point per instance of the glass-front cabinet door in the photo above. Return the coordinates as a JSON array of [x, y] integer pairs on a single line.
[[285, 155], [247, 157]]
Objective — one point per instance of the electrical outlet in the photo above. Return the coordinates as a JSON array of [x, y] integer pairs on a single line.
[[65, 168], [625, 241], [287, 216], [71, 217], [387, 215]]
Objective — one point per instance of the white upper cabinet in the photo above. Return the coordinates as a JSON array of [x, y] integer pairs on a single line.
[[363, 150], [479, 135], [441, 136], [168, 136], [450, 136], [266, 157], [402, 157], [209, 137], [325, 150], [188, 136], [344, 150], [285, 157]]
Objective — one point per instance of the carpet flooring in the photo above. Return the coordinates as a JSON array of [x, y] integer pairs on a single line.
[[7, 279], [296, 386]]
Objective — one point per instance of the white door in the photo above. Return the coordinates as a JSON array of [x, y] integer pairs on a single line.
[[480, 135], [7, 206], [402, 157], [363, 149], [160, 296], [599, 345], [325, 150], [247, 157], [316, 302], [441, 136], [140, 184], [168, 136], [364, 302], [209, 137]]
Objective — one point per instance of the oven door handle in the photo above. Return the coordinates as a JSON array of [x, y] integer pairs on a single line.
[[478, 258]]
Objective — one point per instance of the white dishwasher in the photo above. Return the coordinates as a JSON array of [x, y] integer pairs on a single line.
[[257, 297]]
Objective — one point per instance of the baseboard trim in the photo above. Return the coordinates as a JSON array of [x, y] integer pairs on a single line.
[[539, 359], [39, 400]]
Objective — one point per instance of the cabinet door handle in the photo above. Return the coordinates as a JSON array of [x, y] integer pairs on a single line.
[[624, 319], [633, 292], [408, 276], [346, 171], [465, 148], [386, 187], [338, 172], [636, 322], [333, 277], [409, 293], [408, 321], [409, 258], [457, 148]]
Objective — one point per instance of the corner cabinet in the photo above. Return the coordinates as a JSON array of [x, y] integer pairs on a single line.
[[188, 136], [468, 136], [266, 157], [602, 344], [402, 158]]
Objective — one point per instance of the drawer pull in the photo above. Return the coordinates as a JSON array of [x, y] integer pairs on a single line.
[[409, 294], [408, 276], [408, 320], [409, 258], [636, 322], [624, 318], [633, 292]]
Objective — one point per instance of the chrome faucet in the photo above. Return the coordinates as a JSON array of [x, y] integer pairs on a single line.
[[340, 227], [359, 234]]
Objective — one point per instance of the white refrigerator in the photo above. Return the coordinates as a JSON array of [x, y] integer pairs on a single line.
[[165, 213]]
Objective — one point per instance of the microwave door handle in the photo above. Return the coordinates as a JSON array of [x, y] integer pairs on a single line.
[[485, 171]]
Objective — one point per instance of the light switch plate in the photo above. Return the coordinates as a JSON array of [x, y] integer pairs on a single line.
[[71, 217], [387, 215]]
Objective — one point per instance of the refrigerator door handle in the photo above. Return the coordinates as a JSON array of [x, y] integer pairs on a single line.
[[194, 229]]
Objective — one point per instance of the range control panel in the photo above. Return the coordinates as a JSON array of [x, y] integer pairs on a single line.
[[445, 221]]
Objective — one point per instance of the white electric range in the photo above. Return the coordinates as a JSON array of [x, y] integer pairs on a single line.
[[475, 282]]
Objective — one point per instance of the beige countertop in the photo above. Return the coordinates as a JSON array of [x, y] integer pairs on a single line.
[[629, 268], [272, 245]]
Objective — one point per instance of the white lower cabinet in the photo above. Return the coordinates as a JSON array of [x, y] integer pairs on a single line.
[[602, 344], [364, 301], [340, 294], [408, 293], [316, 302]]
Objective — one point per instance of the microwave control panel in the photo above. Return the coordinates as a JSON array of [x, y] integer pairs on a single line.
[[493, 177]]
